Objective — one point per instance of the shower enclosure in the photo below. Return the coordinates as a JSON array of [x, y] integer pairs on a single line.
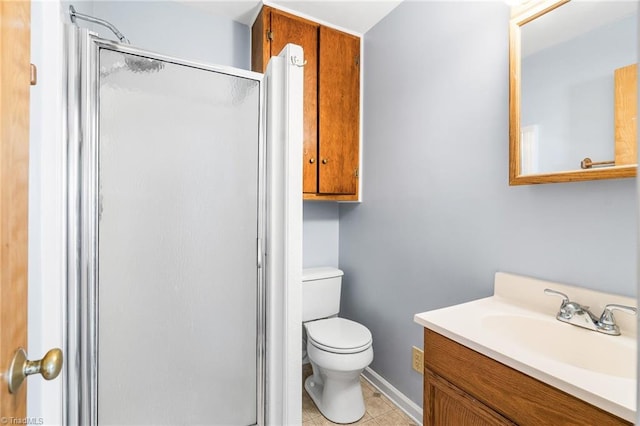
[[168, 195]]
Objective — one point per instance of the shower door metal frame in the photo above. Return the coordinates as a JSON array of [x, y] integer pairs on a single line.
[[80, 389]]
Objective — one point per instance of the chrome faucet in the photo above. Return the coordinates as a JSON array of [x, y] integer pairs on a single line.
[[579, 315]]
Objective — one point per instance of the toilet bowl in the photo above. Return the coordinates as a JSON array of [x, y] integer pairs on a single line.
[[338, 349]]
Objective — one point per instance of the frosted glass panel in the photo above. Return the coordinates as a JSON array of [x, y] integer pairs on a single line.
[[177, 282]]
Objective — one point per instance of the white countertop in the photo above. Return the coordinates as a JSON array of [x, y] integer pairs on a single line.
[[517, 327]]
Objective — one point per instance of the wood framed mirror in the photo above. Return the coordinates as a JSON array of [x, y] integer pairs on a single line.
[[573, 96]]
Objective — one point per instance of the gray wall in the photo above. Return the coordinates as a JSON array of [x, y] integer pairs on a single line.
[[320, 232], [439, 218], [174, 29]]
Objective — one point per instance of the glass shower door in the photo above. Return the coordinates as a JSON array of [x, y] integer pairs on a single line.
[[178, 227]]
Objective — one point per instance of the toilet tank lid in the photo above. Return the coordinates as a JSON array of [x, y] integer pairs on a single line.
[[320, 273]]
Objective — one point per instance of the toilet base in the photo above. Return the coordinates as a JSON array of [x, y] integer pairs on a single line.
[[338, 400]]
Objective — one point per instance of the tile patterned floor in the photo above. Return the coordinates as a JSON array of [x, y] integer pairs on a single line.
[[379, 410]]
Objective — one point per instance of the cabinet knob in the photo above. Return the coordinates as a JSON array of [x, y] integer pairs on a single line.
[[312, 160], [324, 161]]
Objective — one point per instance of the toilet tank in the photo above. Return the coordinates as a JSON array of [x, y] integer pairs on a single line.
[[320, 292]]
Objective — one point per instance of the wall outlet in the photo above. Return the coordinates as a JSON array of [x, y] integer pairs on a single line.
[[417, 360]]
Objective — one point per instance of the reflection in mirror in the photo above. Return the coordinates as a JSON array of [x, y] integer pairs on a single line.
[[573, 91]]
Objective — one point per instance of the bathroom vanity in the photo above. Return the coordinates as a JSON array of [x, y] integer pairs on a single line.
[[464, 387], [506, 360]]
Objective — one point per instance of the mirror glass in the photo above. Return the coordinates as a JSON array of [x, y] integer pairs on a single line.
[[574, 91]]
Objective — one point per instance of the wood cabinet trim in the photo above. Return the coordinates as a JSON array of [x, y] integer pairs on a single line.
[[616, 172], [329, 197], [625, 111]]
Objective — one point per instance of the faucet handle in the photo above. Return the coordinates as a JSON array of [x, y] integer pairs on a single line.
[[550, 292], [565, 298], [607, 322], [567, 309]]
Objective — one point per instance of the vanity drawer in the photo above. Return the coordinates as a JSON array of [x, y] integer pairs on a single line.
[[514, 396]]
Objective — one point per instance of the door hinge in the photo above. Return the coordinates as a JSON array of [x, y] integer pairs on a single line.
[[269, 35], [356, 172], [357, 60], [33, 74]]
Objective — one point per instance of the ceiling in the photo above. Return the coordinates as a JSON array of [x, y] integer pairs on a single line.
[[355, 16]]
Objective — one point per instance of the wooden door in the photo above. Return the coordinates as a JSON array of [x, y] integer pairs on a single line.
[[339, 112], [14, 174]]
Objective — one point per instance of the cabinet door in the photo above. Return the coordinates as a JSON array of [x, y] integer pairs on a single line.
[[290, 29], [446, 405], [339, 112]]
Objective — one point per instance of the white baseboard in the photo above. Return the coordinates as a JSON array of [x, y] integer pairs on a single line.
[[409, 407]]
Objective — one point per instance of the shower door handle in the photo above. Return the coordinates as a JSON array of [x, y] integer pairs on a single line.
[[49, 367]]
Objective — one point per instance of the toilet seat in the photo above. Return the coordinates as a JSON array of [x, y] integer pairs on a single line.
[[338, 335]]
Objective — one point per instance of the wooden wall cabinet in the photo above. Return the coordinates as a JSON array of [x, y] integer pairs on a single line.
[[331, 99], [464, 387]]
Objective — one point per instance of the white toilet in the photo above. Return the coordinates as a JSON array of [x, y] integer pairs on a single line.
[[339, 349]]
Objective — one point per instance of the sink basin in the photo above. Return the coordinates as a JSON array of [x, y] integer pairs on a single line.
[[582, 348]]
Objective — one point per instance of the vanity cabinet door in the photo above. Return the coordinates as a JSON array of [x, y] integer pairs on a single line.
[[446, 405]]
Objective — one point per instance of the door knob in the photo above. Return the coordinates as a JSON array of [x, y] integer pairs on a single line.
[[49, 367]]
